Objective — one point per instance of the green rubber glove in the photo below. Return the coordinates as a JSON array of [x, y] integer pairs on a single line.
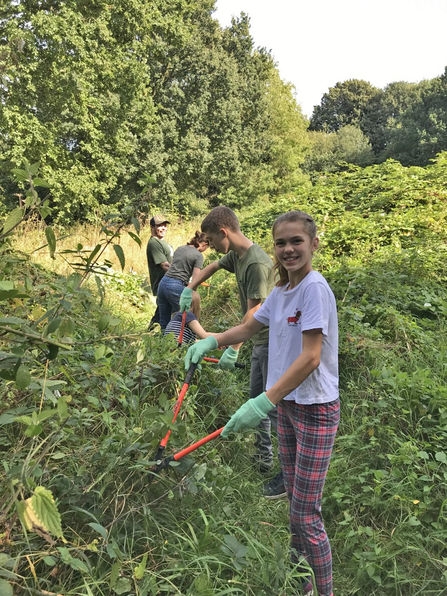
[[186, 299], [228, 359], [200, 349], [249, 415]]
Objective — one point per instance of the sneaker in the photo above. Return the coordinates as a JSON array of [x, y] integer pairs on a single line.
[[275, 488]]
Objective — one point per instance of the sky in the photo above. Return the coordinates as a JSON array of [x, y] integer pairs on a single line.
[[319, 43]]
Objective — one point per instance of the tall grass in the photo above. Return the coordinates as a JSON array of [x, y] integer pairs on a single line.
[[30, 239]]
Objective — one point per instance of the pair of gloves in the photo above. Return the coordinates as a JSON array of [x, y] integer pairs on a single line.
[[252, 411]]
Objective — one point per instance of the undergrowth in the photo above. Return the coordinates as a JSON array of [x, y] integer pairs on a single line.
[[83, 422]]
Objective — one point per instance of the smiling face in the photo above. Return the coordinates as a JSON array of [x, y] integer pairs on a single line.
[[159, 231], [294, 249]]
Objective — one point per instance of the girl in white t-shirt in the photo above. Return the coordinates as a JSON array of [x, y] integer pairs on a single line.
[[302, 382]]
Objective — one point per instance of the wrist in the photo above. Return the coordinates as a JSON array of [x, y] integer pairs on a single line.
[[266, 402]]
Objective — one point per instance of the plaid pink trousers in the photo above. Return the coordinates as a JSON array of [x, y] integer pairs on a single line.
[[306, 435]]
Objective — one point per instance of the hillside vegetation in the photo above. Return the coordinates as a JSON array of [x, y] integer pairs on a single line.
[[87, 394]]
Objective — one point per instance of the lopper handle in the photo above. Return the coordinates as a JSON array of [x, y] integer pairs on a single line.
[[216, 360], [182, 329], [194, 446], [167, 460], [179, 401], [190, 373]]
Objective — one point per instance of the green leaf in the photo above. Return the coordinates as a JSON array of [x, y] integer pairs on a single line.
[[8, 294], [122, 586], [6, 285], [44, 414], [13, 219], [103, 322], [52, 351], [5, 588], [21, 175], [140, 569], [93, 254], [62, 408], [100, 529], [100, 351], [67, 328], [33, 430], [135, 237], [114, 574], [413, 521], [41, 182], [53, 325], [23, 377], [76, 564], [51, 239], [33, 168], [120, 254], [12, 321], [441, 457], [45, 510], [136, 224]]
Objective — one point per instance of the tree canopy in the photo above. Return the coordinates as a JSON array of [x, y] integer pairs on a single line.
[[102, 94], [404, 121]]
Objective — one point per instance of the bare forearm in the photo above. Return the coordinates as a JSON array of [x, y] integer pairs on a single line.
[[238, 334], [203, 275]]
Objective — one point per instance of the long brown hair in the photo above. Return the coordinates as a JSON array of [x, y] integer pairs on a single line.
[[310, 228]]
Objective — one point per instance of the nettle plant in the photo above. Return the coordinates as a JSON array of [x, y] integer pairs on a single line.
[[39, 321]]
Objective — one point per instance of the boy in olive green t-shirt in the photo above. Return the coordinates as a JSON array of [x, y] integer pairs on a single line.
[[254, 273]]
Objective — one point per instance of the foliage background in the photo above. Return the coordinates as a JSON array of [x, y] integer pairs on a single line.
[[85, 424], [110, 112]]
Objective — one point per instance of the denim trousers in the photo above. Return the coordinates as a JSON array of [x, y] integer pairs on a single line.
[[258, 380], [168, 298]]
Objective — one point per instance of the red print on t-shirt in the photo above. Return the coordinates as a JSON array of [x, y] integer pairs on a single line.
[[294, 320]]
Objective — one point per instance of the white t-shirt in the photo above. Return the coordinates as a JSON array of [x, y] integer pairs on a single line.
[[310, 305]]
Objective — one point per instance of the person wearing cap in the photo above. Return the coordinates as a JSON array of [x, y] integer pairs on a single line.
[[159, 257]]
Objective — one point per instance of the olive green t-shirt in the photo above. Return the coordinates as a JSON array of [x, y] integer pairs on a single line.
[[157, 251], [255, 280], [186, 258]]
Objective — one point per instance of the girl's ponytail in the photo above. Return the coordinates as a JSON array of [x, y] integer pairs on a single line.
[[198, 238]]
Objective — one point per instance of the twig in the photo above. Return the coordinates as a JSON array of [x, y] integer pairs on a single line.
[[40, 338]]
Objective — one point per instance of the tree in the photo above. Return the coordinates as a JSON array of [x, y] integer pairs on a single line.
[[352, 146], [287, 130], [330, 151], [103, 94], [384, 110], [343, 104], [420, 132], [75, 98]]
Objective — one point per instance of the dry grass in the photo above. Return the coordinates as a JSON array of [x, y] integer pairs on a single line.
[[31, 237]]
